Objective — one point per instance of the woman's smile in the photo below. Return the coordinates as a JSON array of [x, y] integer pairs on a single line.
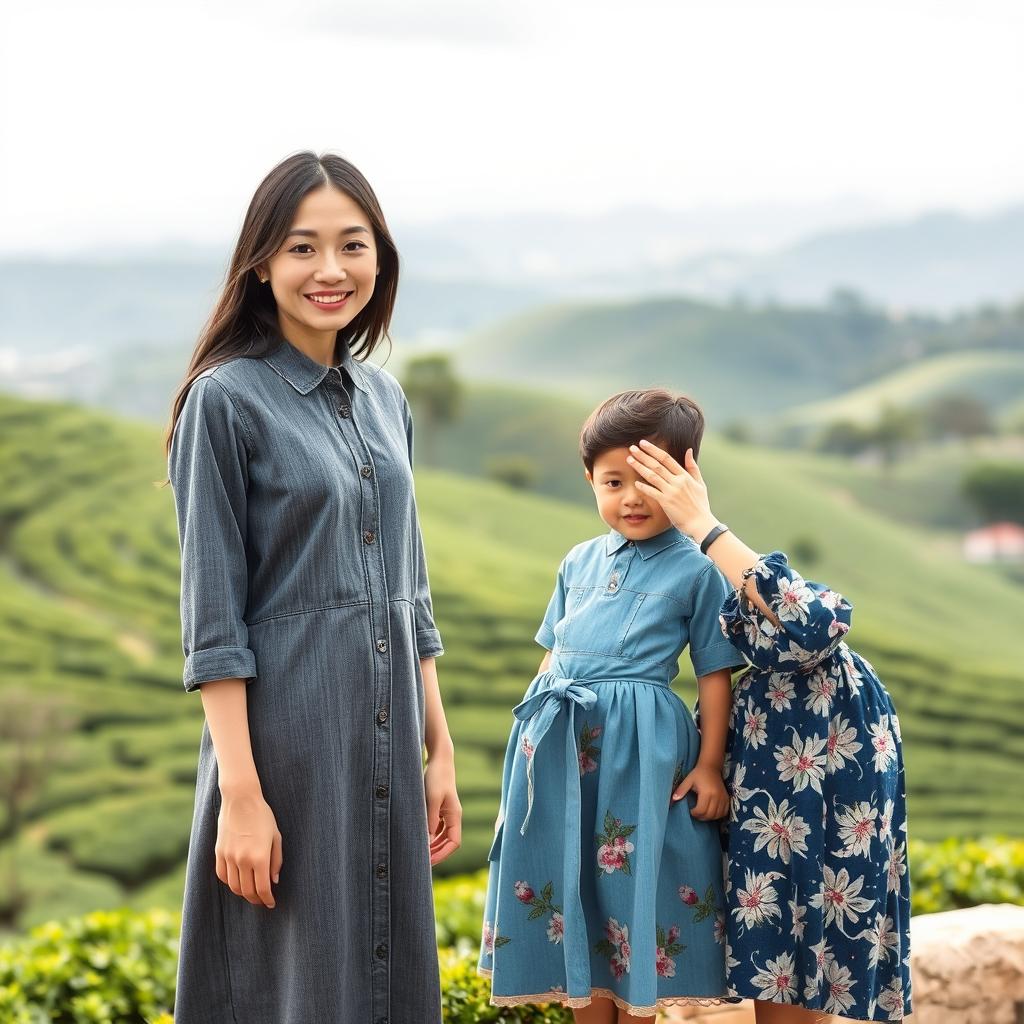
[[329, 300]]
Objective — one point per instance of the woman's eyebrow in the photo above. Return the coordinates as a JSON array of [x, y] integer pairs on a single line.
[[307, 233]]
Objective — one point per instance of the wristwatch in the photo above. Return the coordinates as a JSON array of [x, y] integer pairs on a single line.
[[713, 534]]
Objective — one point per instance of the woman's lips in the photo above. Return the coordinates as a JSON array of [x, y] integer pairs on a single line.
[[335, 304]]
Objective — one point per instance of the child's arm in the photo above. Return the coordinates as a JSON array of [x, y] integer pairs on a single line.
[[715, 698]]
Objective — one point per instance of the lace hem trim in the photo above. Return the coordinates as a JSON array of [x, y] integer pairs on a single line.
[[606, 993]]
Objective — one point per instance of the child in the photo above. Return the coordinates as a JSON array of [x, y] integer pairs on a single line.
[[605, 889]]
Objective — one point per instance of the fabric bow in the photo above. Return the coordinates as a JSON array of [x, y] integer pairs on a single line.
[[540, 711]]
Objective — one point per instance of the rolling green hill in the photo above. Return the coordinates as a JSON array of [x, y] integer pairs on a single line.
[[89, 616], [996, 377]]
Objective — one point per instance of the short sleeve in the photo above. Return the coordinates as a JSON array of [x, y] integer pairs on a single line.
[[208, 471], [709, 650], [555, 611], [428, 637], [814, 618]]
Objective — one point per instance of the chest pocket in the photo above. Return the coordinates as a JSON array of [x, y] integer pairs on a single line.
[[599, 621]]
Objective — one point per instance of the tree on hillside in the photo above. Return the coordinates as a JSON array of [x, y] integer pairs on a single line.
[[958, 415], [895, 429], [435, 394], [996, 489], [845, 437], [31, 728], [517, 471]]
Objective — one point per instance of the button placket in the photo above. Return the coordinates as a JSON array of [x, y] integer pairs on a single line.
[[378, 610]]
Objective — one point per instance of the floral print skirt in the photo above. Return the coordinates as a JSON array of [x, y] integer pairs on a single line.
[[598, 884]]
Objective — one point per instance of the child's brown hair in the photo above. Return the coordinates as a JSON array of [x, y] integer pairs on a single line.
[[669, 419]]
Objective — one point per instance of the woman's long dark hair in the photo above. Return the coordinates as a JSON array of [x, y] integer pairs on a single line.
[[244, 319]]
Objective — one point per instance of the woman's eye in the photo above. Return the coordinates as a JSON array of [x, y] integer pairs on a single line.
[[301, 245], [360, 244]]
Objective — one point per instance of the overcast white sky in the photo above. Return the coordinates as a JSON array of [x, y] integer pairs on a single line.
[[128, 122]]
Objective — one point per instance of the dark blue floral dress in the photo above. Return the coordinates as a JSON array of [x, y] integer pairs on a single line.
[[817, 884]]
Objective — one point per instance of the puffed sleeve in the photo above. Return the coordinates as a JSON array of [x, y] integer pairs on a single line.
[[814, 619], [709, 651], [208, 470], [428, 638], [555, 611]]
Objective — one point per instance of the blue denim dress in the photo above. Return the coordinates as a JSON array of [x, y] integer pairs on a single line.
[[819, 892], [302, 572], [597, 886]]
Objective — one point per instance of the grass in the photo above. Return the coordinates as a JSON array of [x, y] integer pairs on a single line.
[[89, 614]]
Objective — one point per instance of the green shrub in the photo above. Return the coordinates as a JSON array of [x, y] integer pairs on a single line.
[[965, 872], [465, 997], [108, 967]]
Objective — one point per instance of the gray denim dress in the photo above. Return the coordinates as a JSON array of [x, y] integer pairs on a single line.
[[302, 571]]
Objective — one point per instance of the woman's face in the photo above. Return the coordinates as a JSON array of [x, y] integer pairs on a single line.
[[324, 273]]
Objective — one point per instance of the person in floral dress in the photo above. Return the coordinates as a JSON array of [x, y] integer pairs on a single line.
[[817, 884]]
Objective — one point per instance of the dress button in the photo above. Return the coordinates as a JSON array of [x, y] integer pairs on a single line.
[[382, 646], [382, 951], [382, 715], [382, 870], [366, 471], [345, 411], [629, 543], [369, 537], [382, 791]]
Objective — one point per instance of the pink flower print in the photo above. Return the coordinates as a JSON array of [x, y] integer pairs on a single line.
[[615, 847], [527, 748], [616, 947], [688, 895], [610, 859], [523, 892], [673, 934], [588, 752], [556, 927], [664, 965], [488, 938]]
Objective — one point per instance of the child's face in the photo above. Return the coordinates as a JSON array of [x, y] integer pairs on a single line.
[[636, 516]]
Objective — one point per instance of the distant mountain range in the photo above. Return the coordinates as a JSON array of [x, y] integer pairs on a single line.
[[545, 299]]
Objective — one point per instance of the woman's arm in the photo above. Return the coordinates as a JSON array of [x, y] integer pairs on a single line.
[[444, 811], [249, 847]]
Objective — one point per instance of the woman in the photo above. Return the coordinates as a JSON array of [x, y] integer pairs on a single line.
[[817, 886], [308, 629]]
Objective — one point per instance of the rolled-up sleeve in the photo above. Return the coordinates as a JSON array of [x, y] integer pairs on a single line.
[[428, 638], [208, 471]]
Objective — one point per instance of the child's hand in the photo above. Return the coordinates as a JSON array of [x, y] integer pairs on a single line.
[[680, 491], [709, 788]]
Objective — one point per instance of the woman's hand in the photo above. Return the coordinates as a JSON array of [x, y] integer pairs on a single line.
[[248, 846], [444, 812], [709, 787], [680, 491]]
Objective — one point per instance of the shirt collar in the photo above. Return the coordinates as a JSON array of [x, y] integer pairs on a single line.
[[648, 547], [304, 373]]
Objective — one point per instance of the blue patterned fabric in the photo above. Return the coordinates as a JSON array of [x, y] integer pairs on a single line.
[[817, 881], [597, 885]]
